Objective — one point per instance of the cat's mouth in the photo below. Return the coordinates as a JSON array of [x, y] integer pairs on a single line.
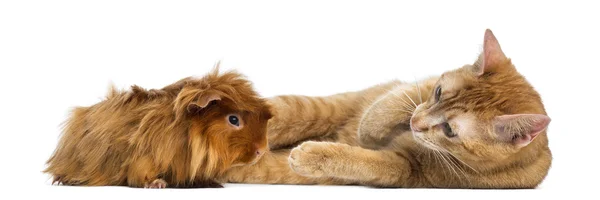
[[418, 136], [413, 126]]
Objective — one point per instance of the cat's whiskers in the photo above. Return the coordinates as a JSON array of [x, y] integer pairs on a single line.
[[419, 91], [465, 176], [460, 169], [435, 156], [397, 109], [402, 108], [433, 148], [401, 105], [419, 152], [406, 104], [447, 163], [463, 162], [411, 100], [428, 155], [452, 161], [399, 87], [447, 158]]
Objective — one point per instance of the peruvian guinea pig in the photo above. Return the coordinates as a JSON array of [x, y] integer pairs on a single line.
[[180, 136]]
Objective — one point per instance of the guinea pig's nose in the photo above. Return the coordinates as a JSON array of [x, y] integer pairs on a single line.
[[260, 151]]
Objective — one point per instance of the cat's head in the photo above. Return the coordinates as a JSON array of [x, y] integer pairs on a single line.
[[485, 111]]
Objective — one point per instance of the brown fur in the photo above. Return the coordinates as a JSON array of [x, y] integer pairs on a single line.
[[178, 134], [497, 116]]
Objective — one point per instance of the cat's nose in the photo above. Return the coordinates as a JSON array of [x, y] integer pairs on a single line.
[[415, 125]]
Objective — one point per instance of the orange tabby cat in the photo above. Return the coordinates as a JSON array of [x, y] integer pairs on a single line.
[[479, 126]]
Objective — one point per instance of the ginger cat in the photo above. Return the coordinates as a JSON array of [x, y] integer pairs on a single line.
[[479, 126]]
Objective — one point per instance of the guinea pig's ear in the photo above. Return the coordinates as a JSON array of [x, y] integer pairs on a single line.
[[192, 100], [203, 101]]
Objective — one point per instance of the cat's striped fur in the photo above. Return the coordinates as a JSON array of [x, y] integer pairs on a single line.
[[473, 127]]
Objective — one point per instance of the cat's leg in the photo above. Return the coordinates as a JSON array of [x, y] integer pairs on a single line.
[[390, 114], [273, 168], [299, 118], [351, 163]]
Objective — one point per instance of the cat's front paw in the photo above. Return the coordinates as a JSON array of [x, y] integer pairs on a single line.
[[376, 138], [313, 158], [373, 140]]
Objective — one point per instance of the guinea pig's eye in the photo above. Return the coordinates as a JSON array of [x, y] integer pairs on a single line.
[[234, 120]]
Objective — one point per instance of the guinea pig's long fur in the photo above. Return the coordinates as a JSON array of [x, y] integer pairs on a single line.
[[179, 134]]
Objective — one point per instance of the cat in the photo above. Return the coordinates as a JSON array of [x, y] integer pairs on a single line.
[[479, 126]]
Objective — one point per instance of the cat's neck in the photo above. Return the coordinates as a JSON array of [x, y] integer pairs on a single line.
[[536, 153]]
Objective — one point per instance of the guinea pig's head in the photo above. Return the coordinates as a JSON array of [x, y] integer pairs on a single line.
[[227, 122]]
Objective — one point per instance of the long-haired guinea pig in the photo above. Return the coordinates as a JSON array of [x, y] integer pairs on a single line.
[[182, 135]]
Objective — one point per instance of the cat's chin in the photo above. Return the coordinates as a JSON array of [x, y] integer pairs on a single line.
[[418, 136]]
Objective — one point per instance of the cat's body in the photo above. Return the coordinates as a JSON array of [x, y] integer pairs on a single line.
[[478, 134], [335, 118]]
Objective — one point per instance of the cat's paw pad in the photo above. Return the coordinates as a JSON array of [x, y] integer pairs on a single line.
[[311, 158], [157, 183]]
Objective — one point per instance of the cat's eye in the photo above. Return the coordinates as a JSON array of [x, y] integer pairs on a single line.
[[448, 130], [438, 93], [234, 120]]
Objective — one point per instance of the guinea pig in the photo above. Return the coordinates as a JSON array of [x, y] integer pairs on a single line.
[[181, 136]]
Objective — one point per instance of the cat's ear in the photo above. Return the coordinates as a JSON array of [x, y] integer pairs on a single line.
[[520, 129], [492, 55]]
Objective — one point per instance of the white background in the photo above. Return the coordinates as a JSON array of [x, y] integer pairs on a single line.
[[58, 54]]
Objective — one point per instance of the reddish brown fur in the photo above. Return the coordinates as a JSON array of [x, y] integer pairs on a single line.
[[178, 133]]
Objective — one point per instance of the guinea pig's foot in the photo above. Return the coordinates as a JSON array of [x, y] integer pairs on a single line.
[[157, 183], [58, 180], [201, 184], [312, 159], [206, 184]]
